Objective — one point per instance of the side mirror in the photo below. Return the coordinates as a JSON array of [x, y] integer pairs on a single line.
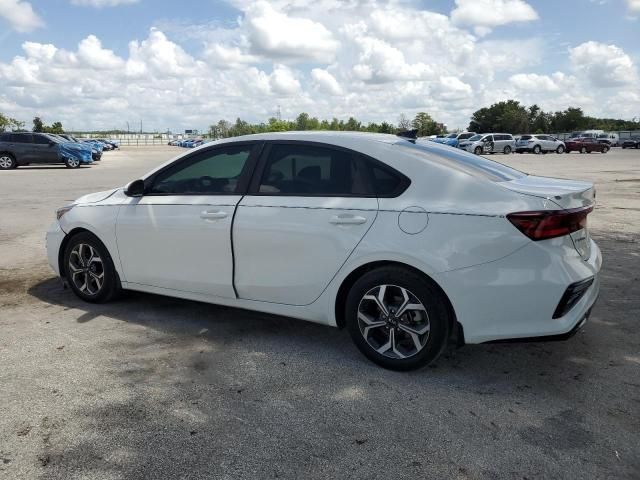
[[135, 188]]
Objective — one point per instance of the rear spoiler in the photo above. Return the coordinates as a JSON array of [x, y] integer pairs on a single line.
[[410, 135]]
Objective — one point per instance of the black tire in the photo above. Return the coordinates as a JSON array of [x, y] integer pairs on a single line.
[[110, 286], [423, 289], [477, 150], [71, 162], [537, 149], [560, 149], [507, 150], [7, 161], [583, 150], [605, 149]]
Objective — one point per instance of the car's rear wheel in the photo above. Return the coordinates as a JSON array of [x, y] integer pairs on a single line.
[[537, 149], [605, 149], [7, 162], [583, 150], [507, 150], [477, 150], [71, 162], [560, 149], [89, 269], [398, 318]]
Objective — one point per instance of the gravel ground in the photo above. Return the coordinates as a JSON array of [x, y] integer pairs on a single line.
[[153, 387]]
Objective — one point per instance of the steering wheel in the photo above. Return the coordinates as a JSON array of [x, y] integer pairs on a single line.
[[205, 183]]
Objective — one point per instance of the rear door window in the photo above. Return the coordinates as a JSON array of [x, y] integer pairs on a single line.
[[21, 138], [311, 170]]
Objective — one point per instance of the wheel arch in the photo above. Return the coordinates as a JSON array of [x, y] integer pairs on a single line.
[[65, 241], [456, 335]]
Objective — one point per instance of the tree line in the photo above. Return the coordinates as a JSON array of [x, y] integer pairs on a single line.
[[509, 116], [422, 122], [512, 117]]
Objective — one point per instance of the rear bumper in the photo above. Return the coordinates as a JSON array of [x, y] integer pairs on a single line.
[[516, 297]]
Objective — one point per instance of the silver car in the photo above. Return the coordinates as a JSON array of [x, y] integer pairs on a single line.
[[539, 144], [489, 143]]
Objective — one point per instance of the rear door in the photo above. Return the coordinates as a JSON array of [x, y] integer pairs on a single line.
[[308, 207]]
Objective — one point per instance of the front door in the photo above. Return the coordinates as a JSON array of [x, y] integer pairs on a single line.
[[178, 235], [308, 210], [43, 149]]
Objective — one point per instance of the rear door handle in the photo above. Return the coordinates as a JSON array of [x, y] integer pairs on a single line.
[[346, 219], [213, 215]]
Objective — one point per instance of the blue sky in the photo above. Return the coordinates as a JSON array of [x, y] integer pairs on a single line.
[[192, 62]]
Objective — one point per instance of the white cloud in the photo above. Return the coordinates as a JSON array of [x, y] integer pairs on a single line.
[[283, 81], [532, 82], [487, 14], [634, 5], [20, 15], [277, 35], [103, 3], [604, 65], [325, 82]]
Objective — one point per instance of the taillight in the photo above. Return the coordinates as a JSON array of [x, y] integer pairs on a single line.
[[546, 224]]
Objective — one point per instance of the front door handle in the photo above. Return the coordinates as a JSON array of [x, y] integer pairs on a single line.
[[346, 219], [213, 215]]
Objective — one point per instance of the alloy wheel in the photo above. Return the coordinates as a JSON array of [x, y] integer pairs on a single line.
[[393, 321], [86, 269], [6, 162], [73, 162]]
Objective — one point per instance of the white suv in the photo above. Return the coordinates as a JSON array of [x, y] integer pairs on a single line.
[[539, 144]]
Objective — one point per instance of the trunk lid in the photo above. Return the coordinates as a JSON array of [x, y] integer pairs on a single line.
[[565, 195]]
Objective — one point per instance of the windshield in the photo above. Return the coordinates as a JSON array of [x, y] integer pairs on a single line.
[[475, 165], [452, 135], [475, 138]]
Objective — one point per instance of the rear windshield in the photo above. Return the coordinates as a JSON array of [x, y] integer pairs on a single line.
[[469, 163]]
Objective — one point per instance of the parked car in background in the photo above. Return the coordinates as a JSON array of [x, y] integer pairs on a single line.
[[633, 142], [96, 153], [454, 139], [539, 144], [586, 145], [586, 134], [612, 139], [38, 148], [489, 143], [386, 238]]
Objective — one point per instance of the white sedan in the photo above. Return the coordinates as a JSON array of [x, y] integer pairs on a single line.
[[409, 246]]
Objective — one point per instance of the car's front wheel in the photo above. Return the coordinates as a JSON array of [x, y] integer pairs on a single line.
[[71, 162], [398, 318], [560, 149], [605, 149], [477, 150], [7, 162], [537, 149], [507, 150], [89, 269]]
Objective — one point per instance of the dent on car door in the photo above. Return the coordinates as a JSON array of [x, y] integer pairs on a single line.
[[308, 208], [178, 235]]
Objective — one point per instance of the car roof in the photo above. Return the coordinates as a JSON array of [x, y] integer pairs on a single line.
[[322, 136]]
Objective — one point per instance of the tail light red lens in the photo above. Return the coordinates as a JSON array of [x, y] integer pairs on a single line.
[[545, 224]]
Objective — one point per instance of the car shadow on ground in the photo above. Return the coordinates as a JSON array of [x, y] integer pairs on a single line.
[[217, 391]]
